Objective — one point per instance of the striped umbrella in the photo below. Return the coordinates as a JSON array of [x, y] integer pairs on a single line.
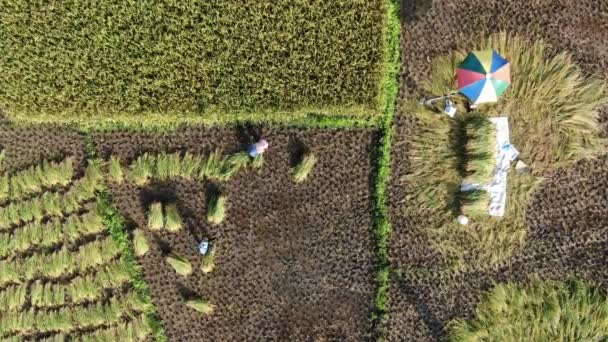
[[483, 76]]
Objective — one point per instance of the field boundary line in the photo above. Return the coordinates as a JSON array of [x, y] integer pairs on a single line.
[[382, 225]]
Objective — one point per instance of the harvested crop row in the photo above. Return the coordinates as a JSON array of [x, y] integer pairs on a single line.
[[50, 233], [62, 275]]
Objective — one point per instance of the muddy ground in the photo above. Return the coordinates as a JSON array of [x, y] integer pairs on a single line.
[[294, 261], [568, 215]]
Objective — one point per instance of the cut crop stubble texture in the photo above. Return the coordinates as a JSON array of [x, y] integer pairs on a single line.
[[293, 262], [79, 59], [567, 216]]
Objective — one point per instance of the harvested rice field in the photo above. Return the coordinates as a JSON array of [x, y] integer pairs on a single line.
[[293, 260], [566, 216]]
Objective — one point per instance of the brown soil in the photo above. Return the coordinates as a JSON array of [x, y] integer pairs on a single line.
[[30, 146], [568, 216], [294, 262]]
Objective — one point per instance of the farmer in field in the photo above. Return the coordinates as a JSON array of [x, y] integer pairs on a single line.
[[258, 148]]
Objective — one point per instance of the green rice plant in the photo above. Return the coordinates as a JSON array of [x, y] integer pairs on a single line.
[[539, 311], [212, 167], [173, 221], [115, 170], [208, 260], [258, 161], [5, 190], [140, 243], [142, 169], [232, 164], [155, 216], [137, 329], [201, 306], [216, 211], [45, 295], [475, 203], [179, 264], [189, 166], [90, 287], [480, 150], [304, 167], [13, 298]]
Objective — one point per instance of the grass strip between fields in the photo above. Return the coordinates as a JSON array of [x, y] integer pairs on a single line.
[[381, 216]]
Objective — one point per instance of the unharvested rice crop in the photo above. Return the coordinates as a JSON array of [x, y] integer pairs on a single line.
[[75, 61]]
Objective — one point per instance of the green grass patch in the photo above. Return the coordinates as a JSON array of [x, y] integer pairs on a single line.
[[382, 226], [165, 60], [552, 108], [540, 311]]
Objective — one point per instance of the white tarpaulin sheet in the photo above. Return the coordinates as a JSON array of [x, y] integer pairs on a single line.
[[505, 154]]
